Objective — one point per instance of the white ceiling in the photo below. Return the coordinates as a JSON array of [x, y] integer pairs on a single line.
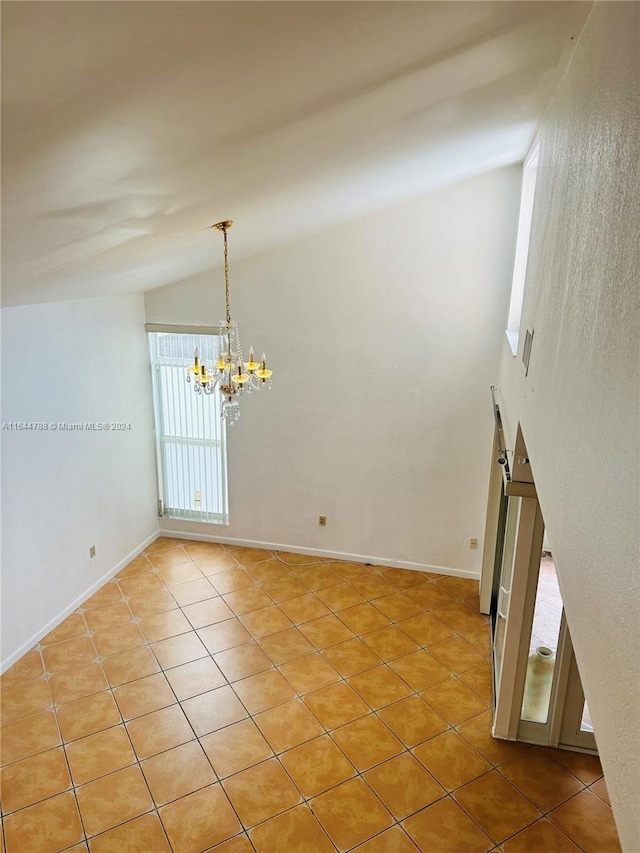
[[129, 128]]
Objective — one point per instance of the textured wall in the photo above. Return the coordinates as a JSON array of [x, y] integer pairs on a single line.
[[579, 405], [385, 335]]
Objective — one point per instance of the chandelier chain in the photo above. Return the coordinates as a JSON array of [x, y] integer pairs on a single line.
[[226, 274]]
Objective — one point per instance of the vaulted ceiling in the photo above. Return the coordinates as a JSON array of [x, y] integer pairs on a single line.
[[130, 127]]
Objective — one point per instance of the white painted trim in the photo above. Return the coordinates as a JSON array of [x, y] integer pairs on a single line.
[[53, 623], [317, 552]]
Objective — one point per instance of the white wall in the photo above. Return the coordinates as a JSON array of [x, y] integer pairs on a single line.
[[63, 491], [384, 334], [579, 405]]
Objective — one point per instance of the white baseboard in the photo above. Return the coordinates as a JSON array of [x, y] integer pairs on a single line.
[[53, 623], [317, 552]]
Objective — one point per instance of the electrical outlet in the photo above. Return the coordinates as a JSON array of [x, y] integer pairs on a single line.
[[322, 521], [92, 551], [473, 544]]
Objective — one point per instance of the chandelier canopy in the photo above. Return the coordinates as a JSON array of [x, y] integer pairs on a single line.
[[230, 375]]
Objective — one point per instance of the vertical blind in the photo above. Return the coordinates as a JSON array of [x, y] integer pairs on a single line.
[[190, 434]]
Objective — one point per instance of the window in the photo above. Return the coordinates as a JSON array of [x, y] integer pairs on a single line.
[[529, 174], [190, 434]]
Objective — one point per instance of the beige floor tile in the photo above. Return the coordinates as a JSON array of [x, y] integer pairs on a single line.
[[263, 691], [326, 631], [178, 650], [143, 584], [420, 670], [72, 626], [456, 654], [363, 618], [390, 643], [412, 721], [541, 835], [142, 835], [268, 570], [339, 596], [242, 661], [157, 602], [104, 618], [373, 586], [460, 618], [480, 679], [380, 686], [588, 822], [294, 831], [236, 748], [292, 559], [288, 725], [599, 787], [367, 742], [23, 700], [585, 767], [282, 589], [99, 754], [33, 779], [261, 792], [213, 710], [193, 591], [542, 780], [169, 557], [111, 641], [265, 621], [87, 716], [191, 679], [247, 556], [480, 639], [200, 820], [28, 668], [130, 665], [317, 578], [179, 574], [309, 673], [138, 565], [160, 544], [451, 760], [159, 731], [224, 635], [498, 807], [458, 587], [336, 705], [160, 626], [47, 827], [245, 600], [28, 737], [351, 813], [226, 582], [403, 578], [106, 595], [317, 766], [425, 629], [430, 596], [217, 564], [477, 731], [454, 701], [208, 612], [304, 608], [394, 840], [445, 828], [286, 646], [113, 799], [351, 657], [144, 696], [177, 772], [403, 785], [398, 606], [70, 684]]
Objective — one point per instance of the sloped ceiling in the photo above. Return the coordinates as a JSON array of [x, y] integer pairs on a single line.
[[130, 127]]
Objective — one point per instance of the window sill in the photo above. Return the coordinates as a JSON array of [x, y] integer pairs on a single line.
[[513, 337]]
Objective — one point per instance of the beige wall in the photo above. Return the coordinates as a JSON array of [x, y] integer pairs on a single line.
[[579, 405]]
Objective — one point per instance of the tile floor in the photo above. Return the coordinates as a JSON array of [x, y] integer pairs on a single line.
[[230, 699]]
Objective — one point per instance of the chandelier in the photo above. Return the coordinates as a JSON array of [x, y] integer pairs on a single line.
[[230, 375]]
